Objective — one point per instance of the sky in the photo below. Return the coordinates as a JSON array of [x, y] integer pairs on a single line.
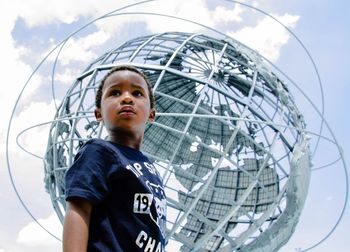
[[30, 29]]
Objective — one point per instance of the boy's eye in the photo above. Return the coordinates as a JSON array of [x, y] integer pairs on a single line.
[[115, 92], [137, 93]]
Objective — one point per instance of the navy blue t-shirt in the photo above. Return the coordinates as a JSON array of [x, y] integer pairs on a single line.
[[125, 189]]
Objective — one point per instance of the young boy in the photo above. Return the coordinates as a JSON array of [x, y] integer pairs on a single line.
[[115, 197]]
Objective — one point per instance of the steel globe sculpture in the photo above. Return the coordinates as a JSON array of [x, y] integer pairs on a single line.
[[228, 140]]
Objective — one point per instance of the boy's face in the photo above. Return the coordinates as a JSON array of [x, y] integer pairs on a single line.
[[125, 103]]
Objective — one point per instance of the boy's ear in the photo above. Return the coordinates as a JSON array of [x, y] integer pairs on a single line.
[[152, 115], [98, 114]]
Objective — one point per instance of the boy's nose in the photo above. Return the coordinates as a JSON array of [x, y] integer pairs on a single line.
[[127, 99]]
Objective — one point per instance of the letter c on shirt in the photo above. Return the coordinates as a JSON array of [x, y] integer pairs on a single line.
[[140, 238]]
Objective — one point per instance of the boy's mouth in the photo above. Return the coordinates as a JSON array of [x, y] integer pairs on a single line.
[[127, 110]]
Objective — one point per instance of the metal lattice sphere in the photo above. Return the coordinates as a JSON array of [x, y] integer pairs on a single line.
[[228, 140]]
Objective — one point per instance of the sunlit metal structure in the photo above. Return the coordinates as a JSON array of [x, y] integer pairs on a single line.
[[228, 140]]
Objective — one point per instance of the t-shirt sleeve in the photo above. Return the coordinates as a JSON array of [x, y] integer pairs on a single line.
[[88, 176]]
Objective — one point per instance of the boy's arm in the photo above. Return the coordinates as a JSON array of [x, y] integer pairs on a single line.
[[76, 225]]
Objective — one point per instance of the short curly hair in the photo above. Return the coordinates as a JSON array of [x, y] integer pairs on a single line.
[[98, 97]]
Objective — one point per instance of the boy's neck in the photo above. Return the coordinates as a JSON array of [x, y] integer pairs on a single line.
[[126, 139]]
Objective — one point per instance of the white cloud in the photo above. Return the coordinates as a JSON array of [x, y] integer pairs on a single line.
[[32, 235], [267, 37], [194, 10], [64, 11], [67, 76], [34, 139], [81, 49], [53, 12], [16, 72], [223, 15]]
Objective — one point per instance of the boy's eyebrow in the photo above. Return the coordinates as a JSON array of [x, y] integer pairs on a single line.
[[137, 86], [132, 85]]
